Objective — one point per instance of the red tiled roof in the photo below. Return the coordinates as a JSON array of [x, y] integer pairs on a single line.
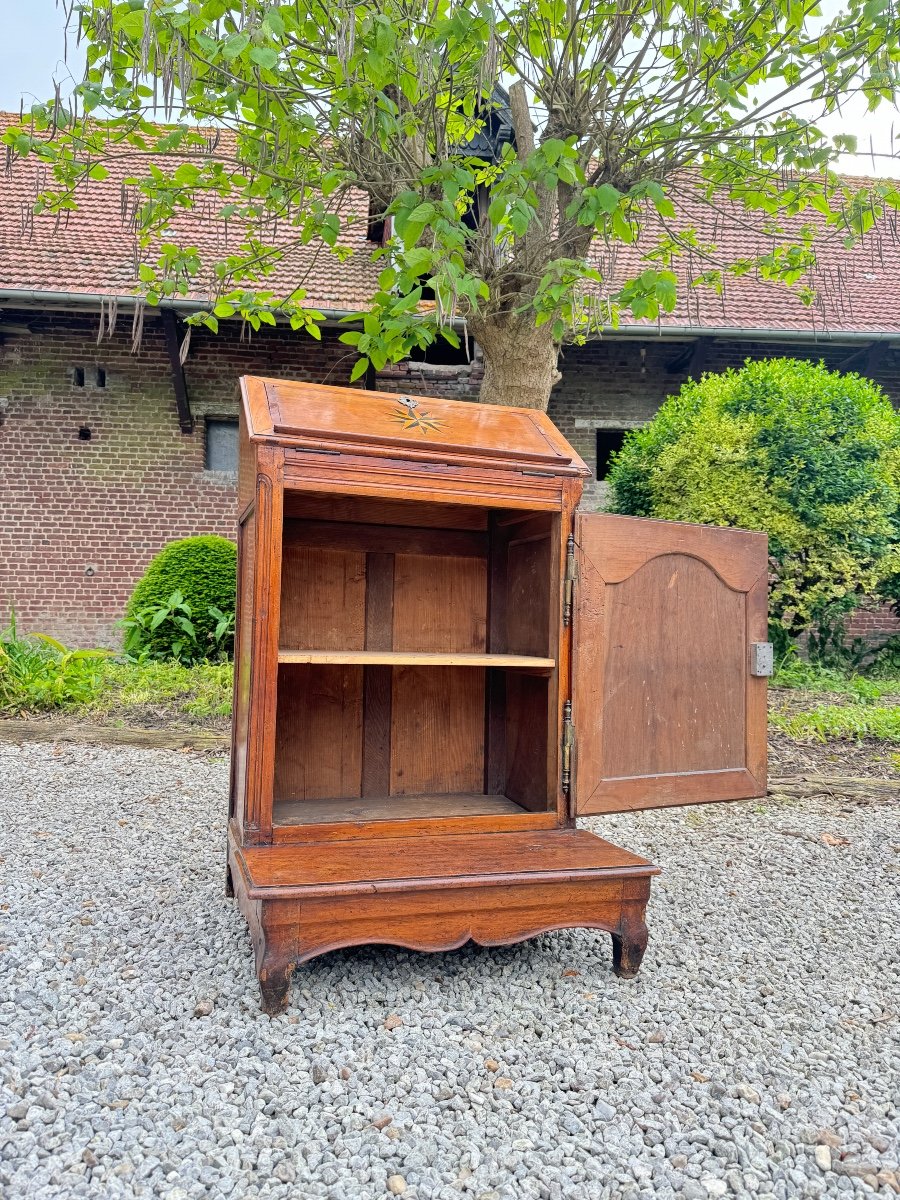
[[92, 250], [855, 288]]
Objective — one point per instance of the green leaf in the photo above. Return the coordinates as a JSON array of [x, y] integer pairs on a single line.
[[608, 198], [264, 56], [359, 369], [235, 44]]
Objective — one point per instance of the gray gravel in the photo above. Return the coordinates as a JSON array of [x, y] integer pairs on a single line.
[[756, 1053]]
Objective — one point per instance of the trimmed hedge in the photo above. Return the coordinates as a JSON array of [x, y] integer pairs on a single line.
[[808, 455], [204, 570]]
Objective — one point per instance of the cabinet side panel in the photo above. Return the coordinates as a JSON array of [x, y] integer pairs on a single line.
[[529, 586], [246, 464], [440, 603], [263, 676], [437, 730], [318, 750], [323, 597], [242, 665]]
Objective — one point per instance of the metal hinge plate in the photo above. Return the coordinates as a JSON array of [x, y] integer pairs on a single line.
[[568, 747], [762, 658], [569, 579]]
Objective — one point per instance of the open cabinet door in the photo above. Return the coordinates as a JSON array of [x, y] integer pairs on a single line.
[[666, 707]]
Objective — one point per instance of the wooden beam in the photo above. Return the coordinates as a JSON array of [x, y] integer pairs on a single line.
[[179, 383]]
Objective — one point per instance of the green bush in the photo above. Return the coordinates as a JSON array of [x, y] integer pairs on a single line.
[[203, 572], [38, 673], [808, 455]]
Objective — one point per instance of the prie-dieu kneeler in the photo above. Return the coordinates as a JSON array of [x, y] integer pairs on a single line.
[[440, 665]]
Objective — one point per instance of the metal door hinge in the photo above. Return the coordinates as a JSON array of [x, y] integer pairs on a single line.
[[569, 579], [568, 745], [762, 658]]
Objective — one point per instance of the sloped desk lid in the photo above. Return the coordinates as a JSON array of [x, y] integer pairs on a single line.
[[358, 422]]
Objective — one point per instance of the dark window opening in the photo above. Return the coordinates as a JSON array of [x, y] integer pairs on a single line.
[[377, 226], [441, 354], [221, 445], [101, 377], [608, 442], [78, 376], [84, 434]]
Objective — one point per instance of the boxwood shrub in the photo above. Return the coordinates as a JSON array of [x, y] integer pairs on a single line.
[[204, 570], [808, 455]]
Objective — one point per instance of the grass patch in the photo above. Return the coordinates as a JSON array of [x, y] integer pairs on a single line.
[[203, 690], [797, 673], [841, 722]]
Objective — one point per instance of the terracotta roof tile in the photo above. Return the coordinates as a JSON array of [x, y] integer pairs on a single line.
[[92, 250]]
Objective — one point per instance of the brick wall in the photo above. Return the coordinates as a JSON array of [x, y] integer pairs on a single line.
[[79, 520]]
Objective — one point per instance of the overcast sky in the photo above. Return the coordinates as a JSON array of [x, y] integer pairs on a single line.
[[31, 55]]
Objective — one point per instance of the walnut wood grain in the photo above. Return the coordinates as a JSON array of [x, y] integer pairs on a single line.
[[441, 862], [393, 808], [319, 744], [257, 806], [553, 880], [378, 677], [414, 658], [666, 711], [336, 416], [440, 604], [437, 730]]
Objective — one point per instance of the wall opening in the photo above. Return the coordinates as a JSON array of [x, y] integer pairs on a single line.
[[221, 449], [608, 442]]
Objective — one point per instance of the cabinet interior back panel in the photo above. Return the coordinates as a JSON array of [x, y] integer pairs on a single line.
[[323, 597], [440, 603], [318, 745], [437, 730]]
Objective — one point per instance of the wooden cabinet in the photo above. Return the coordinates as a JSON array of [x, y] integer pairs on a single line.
[[440, 664]]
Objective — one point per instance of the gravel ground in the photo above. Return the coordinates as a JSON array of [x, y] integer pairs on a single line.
[[755, 1054]]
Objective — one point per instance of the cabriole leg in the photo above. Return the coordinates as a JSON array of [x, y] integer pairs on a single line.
[[629, 945], [275, 986]]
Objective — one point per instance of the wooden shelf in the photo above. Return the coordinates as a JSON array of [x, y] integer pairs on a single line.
[[403, 658], [392, 808]]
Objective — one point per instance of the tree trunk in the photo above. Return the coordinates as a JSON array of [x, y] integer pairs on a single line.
[[519, 360]]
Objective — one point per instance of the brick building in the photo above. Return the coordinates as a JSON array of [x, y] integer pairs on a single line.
[[108, 450]]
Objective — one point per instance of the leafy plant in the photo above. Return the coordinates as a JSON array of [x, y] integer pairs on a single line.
[[202, 573], [886, 660], [808, 455], [614, 112], [38, 673], [167, 631]]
